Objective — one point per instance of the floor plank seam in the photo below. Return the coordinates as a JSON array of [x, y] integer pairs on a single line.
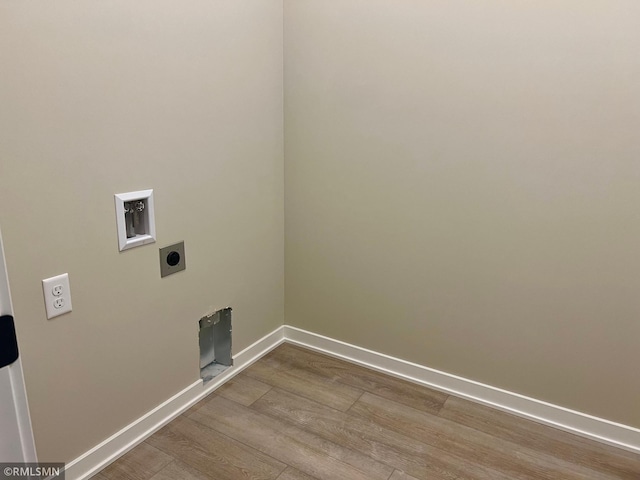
[[355, 401], [271, 388]]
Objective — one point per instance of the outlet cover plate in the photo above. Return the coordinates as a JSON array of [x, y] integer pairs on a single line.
[[57, 295], [172, 259]]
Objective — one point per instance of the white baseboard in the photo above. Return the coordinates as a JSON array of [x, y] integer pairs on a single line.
[[588, 426], [121, 442]]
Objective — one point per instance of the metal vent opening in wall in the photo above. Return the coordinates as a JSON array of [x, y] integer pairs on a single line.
[[215, 344]]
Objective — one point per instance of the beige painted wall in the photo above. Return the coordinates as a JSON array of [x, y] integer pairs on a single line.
[[462, 189], [98, 98]]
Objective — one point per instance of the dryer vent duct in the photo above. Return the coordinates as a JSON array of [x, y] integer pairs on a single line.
[[215, 344]]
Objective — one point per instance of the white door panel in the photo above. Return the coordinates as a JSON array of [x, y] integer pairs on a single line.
[[10, 444], [16, 436]]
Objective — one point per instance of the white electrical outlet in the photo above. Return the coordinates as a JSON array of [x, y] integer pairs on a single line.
[[57, 295]]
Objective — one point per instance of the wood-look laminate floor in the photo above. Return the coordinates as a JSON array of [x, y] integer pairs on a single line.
[[299, 415]]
